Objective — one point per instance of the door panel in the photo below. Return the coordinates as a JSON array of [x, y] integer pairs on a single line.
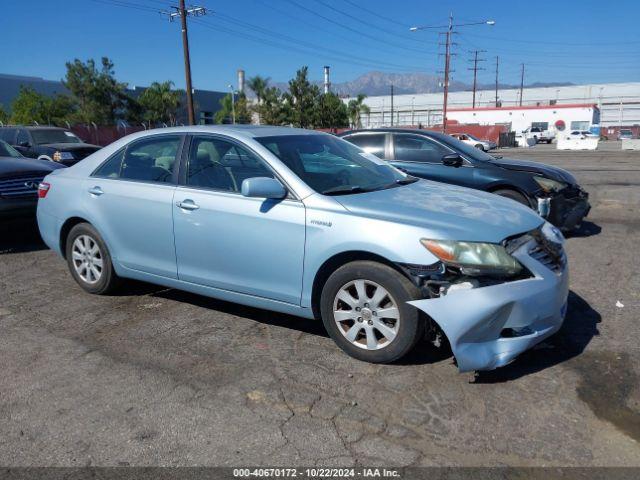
[[228, 241], [422, 157], [130, 197], [136, 221], [247, 245]]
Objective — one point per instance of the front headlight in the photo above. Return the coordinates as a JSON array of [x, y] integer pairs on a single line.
[[474, 258], [549, 185]]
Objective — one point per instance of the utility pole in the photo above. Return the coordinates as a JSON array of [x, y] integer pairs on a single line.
[[447, 64], [183, 12], [521, 84], [447, 57], [392, 105], [497, 60], [475, 69], [233, 104]]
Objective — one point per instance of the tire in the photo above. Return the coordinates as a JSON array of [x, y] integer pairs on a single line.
[[513, 195], [401, 334], [480, 147], [91, 268]]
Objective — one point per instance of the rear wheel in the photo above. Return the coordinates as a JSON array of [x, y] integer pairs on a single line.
[[364, 309], [513, 195], [89, 260]]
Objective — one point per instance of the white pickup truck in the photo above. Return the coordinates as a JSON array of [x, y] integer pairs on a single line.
[[540, 135]]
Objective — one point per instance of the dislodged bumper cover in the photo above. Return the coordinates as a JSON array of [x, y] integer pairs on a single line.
[[474, 320]]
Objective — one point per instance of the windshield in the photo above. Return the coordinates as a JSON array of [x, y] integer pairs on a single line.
[[461, 147], [333, 166], [42, 137], [7, 150]]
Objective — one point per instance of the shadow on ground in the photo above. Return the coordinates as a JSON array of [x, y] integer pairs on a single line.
[[587, 229], [20, 235]]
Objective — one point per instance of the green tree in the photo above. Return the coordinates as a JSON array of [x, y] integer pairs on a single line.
[[4, 116], [239, 108], [272, 110], [356, 109], [100, 97], [301, 100], [259, 86], [331, 112], [31, 107], [160, 104]]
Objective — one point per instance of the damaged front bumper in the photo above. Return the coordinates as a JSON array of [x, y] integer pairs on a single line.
[[488, 327], [567, 208]]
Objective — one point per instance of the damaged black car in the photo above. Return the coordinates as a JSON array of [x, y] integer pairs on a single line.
[[551, 191]]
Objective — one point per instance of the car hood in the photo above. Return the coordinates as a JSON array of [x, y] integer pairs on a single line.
[[448, 212], [69, 147], [11, 166], [554, 173]]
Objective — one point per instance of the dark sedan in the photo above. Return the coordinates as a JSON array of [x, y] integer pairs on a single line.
[[48, 143], [20, 178], [553, 192]]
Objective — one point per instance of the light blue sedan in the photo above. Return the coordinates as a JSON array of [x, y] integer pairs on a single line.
[[305, 223]]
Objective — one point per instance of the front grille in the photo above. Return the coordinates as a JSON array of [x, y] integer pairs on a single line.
[[25, 186], [550, 254]]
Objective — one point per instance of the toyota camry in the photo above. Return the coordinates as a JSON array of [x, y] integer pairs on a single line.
[[305, 223]]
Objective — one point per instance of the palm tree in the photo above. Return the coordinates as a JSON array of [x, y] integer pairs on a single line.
[[259, 86], [356, 108]]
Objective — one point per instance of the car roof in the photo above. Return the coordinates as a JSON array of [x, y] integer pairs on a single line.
[[253, 131], [391, 130], [35, 127]]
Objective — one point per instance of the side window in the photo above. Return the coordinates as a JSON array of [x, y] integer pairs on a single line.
[[8, 135], [221, 165], [151, 160], [110, 168], [23, 138], [369, 142], [418, 149]]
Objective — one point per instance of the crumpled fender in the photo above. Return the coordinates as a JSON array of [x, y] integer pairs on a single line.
[[473, 319]]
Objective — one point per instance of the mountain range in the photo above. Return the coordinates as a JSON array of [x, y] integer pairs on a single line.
[[379, 83]]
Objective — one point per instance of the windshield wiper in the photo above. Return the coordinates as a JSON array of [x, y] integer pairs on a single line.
[[407, 181], [343, 189]]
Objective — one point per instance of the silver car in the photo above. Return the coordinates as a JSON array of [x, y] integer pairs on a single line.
[[305, 223]]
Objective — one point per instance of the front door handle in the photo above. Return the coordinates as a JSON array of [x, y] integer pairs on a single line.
[[97, 191], [187, 204]]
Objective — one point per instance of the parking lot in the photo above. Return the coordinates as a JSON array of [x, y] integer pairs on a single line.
[[159, 377]]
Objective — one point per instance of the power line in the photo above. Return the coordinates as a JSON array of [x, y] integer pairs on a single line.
[[353, 30], [497, 62], [365, 23], [377, 15]]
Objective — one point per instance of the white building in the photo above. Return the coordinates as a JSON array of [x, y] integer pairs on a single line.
[[555, 117], [618, 103]]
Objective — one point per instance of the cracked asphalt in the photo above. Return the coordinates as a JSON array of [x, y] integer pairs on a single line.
[[152, 376]]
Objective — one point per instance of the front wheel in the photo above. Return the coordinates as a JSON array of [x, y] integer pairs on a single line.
[[364, 309], [89, 260], [513, 195], [480, 147]]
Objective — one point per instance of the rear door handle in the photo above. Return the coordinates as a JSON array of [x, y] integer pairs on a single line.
[[97, 191], [187, 204]]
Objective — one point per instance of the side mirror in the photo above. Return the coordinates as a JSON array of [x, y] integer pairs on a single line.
[[263, 187], [452, 160]]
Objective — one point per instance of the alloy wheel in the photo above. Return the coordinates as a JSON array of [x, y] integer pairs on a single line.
[[87, 259], [366, 314]]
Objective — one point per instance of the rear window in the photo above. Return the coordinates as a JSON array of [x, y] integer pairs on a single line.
[[42, 137]]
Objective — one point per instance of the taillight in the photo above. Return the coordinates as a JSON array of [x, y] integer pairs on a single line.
[[43, 189]]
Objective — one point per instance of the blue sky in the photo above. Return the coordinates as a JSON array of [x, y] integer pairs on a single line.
[[586, 41]]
